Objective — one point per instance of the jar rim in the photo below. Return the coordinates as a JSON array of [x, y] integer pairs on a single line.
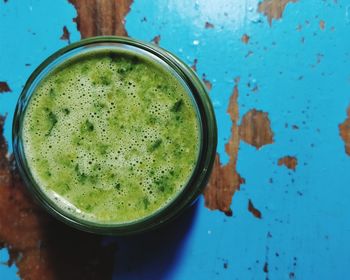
[[184, 195]]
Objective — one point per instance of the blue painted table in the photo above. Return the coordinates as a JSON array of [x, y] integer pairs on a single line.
[[285, 128]]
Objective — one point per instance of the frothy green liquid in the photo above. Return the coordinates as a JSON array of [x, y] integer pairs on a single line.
[[111, 136]]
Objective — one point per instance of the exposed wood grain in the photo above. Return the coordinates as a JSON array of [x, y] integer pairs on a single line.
[[4, 168], [101, 17], [288, 161], [344, 131], [273, 9], [40, 246], [255, 129], [225, 180]]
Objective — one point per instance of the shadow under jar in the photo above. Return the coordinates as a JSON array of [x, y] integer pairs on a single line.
[[114, 136]]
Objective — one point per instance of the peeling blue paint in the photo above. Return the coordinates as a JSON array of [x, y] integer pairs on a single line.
[[30, 31], [7, 273], [302, 78], [304, 211]]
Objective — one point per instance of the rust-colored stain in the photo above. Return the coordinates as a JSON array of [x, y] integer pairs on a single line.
[[273, 9], [245, 38], [225, 180], [255, 129], [101, 17], [256, 213], [288, 161], [156, 40], [208, 25], [40, 246], [322, 24], [4, 87], [66, 34], [194, 65], [207, 83], [344, 131]]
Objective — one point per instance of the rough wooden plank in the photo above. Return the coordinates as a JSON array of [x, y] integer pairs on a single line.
[[273, 9], [225, 179], [101, 17], [290, 162]]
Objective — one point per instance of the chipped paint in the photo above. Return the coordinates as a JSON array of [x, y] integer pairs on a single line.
[[101, 17], [206, 82], [3, 154], [251, 208], [255, 129], [245, 38], [156, 40], [292, 88], [344, 131], [40, 246], [225, 179], [4, 87], [208, 25], [273, 9], [66, 34], [290, 162], [322, 24], [266, 270], [194, 65]]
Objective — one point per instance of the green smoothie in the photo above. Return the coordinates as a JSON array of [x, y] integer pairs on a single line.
[[111, 136]]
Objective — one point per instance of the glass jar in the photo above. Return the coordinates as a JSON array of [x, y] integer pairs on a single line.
[[205, 115]]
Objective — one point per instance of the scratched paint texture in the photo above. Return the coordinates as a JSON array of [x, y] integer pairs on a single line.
[[278, 76]]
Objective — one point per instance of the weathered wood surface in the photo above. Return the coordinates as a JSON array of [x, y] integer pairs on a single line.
[[42, 248]]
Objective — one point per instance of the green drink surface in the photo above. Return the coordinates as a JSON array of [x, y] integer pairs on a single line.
[[111, 136]]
